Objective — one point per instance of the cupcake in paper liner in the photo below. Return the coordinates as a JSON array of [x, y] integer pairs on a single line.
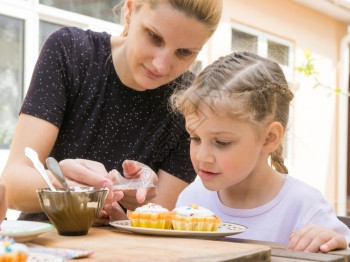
[[150, 215], [11, 251], [194, 218]]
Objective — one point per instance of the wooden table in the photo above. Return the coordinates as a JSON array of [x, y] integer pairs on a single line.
[[110, 244], [280, 254]]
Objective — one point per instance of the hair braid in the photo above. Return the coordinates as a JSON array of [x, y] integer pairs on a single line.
[[250, 87], [277, 160]]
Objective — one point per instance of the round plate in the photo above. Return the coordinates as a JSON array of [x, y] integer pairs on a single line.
[[22, 231], [225, 229]]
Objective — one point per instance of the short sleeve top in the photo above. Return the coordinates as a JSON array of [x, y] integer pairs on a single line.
[[75, 87]]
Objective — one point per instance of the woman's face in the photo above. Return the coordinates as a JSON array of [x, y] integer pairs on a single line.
[[224, 152], [161, 44]]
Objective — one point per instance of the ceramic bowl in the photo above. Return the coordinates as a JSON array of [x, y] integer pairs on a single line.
[[72, 212]]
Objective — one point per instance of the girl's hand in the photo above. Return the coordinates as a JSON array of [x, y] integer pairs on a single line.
[[314, 238]]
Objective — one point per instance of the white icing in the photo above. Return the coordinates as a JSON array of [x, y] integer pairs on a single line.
[[151, 207], [190, 211]]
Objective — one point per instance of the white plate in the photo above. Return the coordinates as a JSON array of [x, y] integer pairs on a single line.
[[225, 229], [22, 231]]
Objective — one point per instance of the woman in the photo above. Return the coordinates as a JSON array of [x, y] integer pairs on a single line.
[[96, 100]]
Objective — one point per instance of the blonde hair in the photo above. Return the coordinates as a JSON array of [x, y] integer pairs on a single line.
[[207, 12], [244, 86]]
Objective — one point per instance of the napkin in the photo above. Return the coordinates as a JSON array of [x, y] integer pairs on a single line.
[[59, 252]]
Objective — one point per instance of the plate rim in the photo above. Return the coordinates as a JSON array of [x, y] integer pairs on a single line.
[[48, 226], [171, 232]]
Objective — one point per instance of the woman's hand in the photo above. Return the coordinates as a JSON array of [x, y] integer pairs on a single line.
[[314, 238], [144, 175], [111, 211], [83, 172]]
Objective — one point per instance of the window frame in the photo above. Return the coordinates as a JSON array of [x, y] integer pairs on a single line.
[[262, 45], [289, 71], [31, 12]]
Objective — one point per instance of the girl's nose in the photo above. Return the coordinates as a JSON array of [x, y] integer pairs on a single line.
[[204, 155]]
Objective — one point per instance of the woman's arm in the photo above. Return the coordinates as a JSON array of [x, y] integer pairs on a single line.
[[22, 179], [19, 176], [3, 202]]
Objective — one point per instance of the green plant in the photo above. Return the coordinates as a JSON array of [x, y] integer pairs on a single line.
[[308, 69]]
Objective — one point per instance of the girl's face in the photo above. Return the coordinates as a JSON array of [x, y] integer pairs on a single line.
[[161, 44], [224, 152]]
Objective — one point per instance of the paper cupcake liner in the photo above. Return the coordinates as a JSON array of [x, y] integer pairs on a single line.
[[195, 223], [14, 257], [150, 220]]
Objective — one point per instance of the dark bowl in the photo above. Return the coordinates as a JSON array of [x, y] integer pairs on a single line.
[[72, 212]]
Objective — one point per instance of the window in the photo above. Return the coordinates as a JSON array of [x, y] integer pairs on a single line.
[[11, 75], [45, 30], [97, 9], [277, 49], [242, 41], [24, 28]]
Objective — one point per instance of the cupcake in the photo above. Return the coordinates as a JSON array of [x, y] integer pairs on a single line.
[[150, 216], [10, 251], [194, 218]]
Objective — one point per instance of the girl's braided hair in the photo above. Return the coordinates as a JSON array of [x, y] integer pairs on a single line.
[[250, 87]]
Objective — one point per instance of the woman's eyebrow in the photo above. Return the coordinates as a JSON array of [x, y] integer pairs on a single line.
[[161, 38]]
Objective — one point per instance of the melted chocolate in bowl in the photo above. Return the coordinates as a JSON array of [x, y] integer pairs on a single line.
[[72, 212]]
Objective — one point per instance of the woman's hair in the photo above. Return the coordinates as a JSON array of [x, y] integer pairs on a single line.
[[244, 86], [207, 12]]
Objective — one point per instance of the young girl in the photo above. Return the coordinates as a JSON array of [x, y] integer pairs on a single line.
[[96, 100], [236, 113]]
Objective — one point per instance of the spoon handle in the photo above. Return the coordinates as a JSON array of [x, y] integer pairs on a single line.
[[33, 156], [54, 167]]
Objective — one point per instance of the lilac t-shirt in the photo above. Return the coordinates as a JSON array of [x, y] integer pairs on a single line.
[[296, 205]]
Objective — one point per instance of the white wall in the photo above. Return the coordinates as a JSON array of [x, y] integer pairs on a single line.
[[314, 118]]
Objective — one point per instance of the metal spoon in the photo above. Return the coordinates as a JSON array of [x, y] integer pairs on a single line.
[[54, 167], [33, 156]]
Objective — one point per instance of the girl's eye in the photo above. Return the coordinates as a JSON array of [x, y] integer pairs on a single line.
[[223, 143]]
